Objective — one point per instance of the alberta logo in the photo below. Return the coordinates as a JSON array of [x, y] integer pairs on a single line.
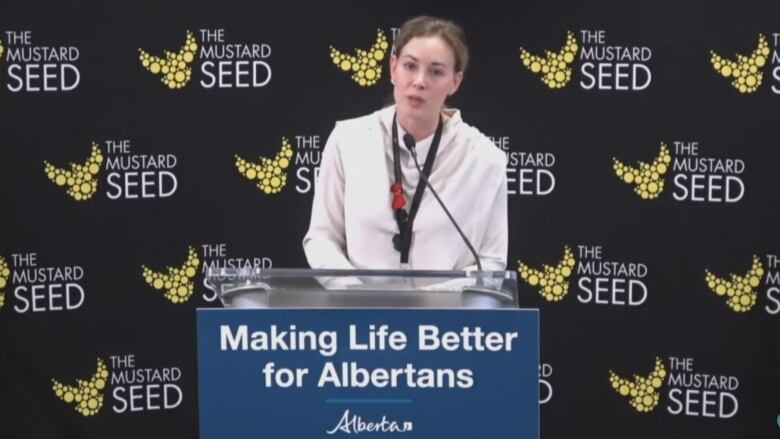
[[365, 65], [740, 292], [178, 283], [270, 173], [81, 180], [747, 73], [555, 68], [554, 281], [5, 274], [647, 179], [643, 392], [174, 69], [87, 396]]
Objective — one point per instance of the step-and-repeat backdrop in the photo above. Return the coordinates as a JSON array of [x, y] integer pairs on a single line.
[[144, 143]]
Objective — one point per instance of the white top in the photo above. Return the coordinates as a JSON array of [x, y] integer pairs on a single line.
[[352, 223]]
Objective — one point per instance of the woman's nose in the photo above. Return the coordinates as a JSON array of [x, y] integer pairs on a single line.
[[418, 80]]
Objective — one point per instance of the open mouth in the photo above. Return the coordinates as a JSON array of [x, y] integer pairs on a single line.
[[415, 101]]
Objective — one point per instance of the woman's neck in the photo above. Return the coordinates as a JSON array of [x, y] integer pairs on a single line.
[[419, 128]]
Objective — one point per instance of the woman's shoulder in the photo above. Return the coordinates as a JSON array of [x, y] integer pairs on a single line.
[[366, 123]]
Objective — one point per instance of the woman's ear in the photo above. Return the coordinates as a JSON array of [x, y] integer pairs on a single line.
[[456, 80], [393, 63]]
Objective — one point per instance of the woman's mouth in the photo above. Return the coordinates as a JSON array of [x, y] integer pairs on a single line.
[[415, 101]]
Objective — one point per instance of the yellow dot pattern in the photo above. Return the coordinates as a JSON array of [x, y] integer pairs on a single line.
[[271, 174], [365, 65], [179, 282], [648, 180], [553, 281], [5, 274], [87, 396], [741, 292], [555, 68], [174, 70], [2, 49], [643, 393], [747, 72], [81, 181]]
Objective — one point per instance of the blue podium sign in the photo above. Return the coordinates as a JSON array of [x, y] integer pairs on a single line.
[[380, 372]]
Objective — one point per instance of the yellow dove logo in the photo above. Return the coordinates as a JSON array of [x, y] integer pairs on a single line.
[[175, 69], [553, 280], [643, 392], [269, 173], [746, 71], [81, 179], [87, 396], [648, 180], [365, 64], [5, 273], [741, 290], [554, 68], [178, 283]]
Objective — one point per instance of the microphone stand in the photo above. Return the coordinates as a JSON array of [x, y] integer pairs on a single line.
[[480, 286]]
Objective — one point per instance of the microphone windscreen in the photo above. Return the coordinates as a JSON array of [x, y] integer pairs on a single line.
[[409, 141]]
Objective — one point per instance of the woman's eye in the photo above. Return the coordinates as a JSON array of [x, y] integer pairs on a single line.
[[409, 66], [438, 72]]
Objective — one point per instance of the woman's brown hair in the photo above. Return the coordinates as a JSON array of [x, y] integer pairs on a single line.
[[425, 26]]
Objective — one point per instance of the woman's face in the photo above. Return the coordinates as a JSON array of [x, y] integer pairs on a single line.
[[423, 75]]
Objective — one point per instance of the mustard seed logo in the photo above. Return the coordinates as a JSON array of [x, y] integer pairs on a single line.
[[555, 68], [178, 283], [86, 396], [365, 64], [695, 392], [81, 180], [700, 178], [5, 273], [308, 155], [270, 173], [603, 66], [643, 393], [175, 68], [648, 179], [226, 64], [527, 172], [747, 72], [34, 68], [554, 281], [741, 291], [143, 387], [41, 287]]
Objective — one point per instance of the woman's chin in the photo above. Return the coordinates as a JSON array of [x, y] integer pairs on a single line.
[[409, 112]]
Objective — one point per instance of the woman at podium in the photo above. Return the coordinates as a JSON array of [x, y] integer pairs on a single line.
[[372, 209]]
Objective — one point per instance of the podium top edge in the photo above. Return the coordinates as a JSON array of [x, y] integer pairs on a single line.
[[298, 272]]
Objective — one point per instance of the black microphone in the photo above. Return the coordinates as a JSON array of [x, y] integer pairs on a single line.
[[410, 145]]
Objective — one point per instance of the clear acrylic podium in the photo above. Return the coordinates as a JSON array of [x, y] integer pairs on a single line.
[[304, 288], [237, 400]]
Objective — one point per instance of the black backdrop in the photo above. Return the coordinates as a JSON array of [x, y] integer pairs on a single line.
[[225, 217]]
